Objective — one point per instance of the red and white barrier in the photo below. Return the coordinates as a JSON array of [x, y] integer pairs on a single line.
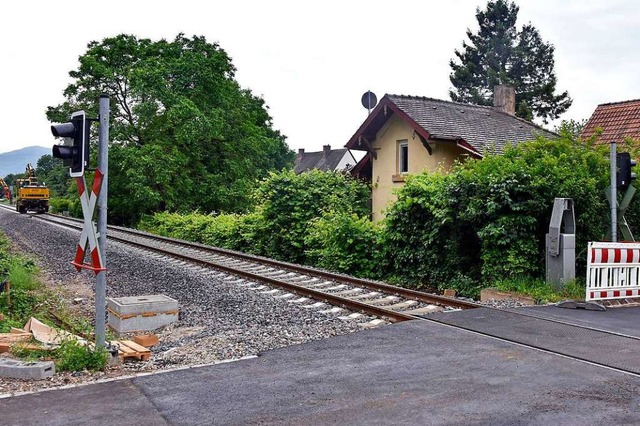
[[613, 271]]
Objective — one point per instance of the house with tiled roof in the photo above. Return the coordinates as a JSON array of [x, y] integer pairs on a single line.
[[328, 160], [409, 134], [614, 122]]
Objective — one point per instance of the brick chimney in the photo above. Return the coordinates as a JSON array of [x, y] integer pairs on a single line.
[[326, 149], [504, 99], [300, 152]]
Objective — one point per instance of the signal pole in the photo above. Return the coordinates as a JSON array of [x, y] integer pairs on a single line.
[[103, 165], [614, 193]]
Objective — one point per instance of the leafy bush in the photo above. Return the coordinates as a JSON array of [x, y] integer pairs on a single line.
[[286, 205], [487, 219], [289, 203], [346, 243], [71, 356], [60, 205], [230, 231]]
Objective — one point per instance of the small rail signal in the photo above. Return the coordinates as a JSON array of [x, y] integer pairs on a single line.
[[625, 174], [74, 151]]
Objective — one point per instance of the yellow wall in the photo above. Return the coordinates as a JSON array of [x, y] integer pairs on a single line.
[[385, 167]]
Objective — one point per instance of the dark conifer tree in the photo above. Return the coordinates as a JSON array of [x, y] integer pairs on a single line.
[[500, 54]]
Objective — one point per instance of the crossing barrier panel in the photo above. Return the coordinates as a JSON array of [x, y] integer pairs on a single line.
[[613, 271]]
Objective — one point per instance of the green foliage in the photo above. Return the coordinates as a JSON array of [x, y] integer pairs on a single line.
[[541, 291], [185, 136], [69, 356], [72, 356], [60, 205], [500, 54], [8, 323], [290, 202], [487, 219], [27, 296], [231, 231], [346, 243], [570, 129], [278, 228], [51, 171]]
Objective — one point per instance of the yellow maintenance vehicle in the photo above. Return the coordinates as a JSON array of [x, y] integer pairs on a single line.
[[31, 194]]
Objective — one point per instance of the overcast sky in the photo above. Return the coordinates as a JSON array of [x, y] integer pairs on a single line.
[[311, 62]]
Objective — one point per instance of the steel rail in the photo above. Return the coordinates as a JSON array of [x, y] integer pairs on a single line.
[[369, 284], [354, 305]]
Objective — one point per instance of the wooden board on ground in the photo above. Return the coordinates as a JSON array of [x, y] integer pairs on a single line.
[[15, 337], [6, 347], [130, 349]]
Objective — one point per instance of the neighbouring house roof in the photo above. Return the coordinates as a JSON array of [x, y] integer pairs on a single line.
[[475, 128], [618, 120], [327, 159]]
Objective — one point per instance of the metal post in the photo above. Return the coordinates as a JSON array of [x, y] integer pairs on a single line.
[[614, 195], [103, 165]]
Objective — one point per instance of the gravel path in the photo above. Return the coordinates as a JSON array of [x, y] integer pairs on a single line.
[[218, 319]]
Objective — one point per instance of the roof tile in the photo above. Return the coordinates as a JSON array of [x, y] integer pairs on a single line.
[[618, 120]]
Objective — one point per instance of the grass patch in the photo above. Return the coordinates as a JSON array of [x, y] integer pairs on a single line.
[[541, 291], [29, 297]]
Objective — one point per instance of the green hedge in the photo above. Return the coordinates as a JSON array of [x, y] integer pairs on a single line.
[[487, 219], [347, 243], [484, 222], [278, 227]]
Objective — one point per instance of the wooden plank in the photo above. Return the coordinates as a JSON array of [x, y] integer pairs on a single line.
[[14, 337], [136, 347], [125, 349]]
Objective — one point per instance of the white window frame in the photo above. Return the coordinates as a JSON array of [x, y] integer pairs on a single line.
[[403, 156]]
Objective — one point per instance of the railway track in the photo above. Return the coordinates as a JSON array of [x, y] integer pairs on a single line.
[[524, 327], [389, 303]]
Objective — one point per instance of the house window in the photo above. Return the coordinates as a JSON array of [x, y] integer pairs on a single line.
[[403, 157]]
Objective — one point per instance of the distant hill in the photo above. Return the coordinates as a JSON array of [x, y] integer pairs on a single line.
[[16, 161]]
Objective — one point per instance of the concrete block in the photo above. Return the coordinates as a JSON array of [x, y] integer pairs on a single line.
[[141, 313], [11, 368]]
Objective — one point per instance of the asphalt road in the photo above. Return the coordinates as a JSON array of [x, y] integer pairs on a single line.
[[415, 372]]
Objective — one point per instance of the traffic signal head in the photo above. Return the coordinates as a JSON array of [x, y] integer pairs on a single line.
[[75, 149], [625, 174]]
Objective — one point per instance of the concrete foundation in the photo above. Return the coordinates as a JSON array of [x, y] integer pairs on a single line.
[[141, 313]]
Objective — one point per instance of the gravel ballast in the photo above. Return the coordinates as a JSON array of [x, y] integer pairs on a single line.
[[219, 320]]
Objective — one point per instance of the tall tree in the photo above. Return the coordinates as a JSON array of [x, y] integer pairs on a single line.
[[500, 54], [184, 134]]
